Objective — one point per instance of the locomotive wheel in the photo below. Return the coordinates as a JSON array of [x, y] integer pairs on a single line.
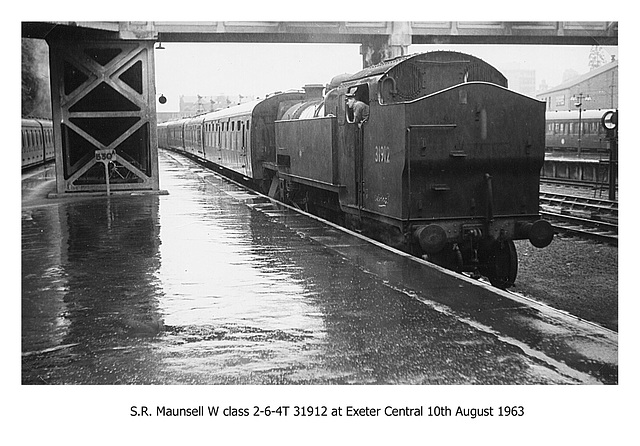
[[502, 264]]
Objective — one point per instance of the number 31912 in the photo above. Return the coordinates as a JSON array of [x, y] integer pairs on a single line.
[[382, 154]]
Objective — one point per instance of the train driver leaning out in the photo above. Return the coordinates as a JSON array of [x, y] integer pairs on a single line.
[[360, 109]]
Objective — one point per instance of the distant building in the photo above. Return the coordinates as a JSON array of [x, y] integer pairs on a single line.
[[168, 116], [195, 105], [543, 86], [600, 85], [203, 104], [569, 74], [522, 81]]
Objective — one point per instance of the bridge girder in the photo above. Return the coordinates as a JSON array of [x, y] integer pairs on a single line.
[[480, 32]]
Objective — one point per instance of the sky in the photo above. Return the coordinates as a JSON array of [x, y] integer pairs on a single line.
[[257, 69]]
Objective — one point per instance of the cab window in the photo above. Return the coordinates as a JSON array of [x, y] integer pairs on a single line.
[[361, 93]]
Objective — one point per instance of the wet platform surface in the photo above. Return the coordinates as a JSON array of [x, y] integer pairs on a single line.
[[214, 285]]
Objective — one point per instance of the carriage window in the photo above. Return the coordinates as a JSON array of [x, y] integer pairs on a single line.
[[587, 128]]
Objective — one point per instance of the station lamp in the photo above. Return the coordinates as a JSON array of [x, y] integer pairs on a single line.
[[579, 98]]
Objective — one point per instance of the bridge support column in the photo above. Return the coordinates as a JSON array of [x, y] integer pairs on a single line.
[[380, 48], [103, 106]]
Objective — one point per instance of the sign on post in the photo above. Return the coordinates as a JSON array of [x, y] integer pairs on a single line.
[[106, 156], [610, 122]]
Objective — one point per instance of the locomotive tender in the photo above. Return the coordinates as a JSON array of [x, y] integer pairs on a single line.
[[447, 166]]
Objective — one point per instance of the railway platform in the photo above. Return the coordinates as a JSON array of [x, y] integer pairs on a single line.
[[213, 284], [589, 171]]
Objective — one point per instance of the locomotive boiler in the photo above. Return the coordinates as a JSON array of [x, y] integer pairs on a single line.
[[446, 167]]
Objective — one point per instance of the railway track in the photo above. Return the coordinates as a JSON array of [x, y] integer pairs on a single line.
[[591, 218], [579, 187]]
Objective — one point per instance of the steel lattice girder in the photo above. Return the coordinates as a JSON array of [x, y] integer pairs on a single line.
[[103, 98]]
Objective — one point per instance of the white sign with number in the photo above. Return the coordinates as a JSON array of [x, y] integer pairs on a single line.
[[106, 156]]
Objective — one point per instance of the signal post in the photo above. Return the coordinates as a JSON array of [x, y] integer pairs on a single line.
[[610, 123]]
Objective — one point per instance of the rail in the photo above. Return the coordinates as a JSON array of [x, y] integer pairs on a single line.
[[595, 219]]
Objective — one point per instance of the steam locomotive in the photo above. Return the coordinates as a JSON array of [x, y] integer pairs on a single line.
[[446, 167]]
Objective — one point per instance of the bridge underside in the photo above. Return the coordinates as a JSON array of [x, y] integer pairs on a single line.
[[103, 79], [478, 32]]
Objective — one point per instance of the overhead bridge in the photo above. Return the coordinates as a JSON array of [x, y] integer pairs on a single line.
[[476, 32], [103, 88]]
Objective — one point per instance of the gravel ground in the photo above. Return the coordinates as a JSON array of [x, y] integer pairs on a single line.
[[574, 275]]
